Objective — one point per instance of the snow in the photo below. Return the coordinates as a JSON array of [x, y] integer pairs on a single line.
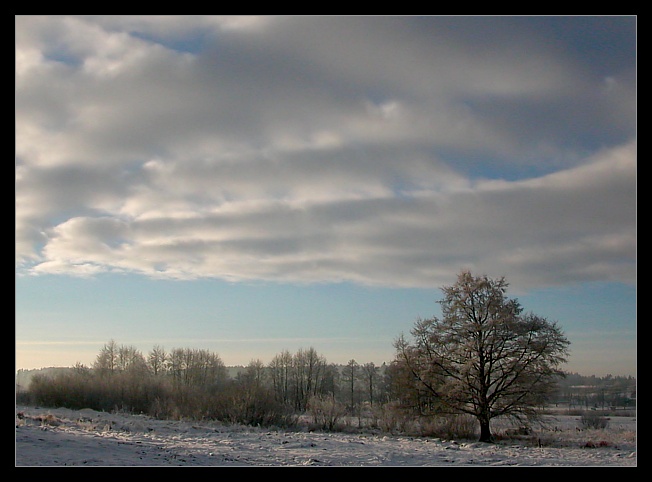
[[64, 437]]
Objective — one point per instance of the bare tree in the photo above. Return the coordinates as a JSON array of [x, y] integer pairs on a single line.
[[350, 375], [156, 360], [329, 382], [308, 368], [254, 375], [130, 359], [484, 357], [196, 367], [370, 376], [107, 359], [279, 369]]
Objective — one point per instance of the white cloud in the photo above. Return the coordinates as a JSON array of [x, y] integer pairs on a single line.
[[307, 149], [536, 230]]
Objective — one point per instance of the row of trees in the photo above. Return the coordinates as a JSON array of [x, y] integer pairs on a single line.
[[577, 391], [485, 358], [186, 382]]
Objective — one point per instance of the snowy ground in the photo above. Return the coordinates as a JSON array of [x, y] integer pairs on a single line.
[[63, 437]]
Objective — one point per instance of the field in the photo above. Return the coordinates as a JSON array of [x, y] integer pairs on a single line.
[[63, 437]]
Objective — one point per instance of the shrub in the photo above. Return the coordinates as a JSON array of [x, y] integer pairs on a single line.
[[593, 445], [594, 420], [391, 417], [451, 427], [326, 412], [252, 406]]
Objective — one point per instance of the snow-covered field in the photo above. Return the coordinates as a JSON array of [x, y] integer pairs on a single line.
[[63, 437]]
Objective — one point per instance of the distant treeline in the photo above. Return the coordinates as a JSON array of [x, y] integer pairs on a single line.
[[575, 389], [195, 383], [580, 391]]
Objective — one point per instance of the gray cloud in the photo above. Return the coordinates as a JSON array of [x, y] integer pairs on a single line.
[[319, 149]]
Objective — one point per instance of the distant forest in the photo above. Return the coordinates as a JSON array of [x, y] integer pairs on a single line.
[[580, 391]]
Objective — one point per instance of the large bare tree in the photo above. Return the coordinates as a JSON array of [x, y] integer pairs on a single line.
[[484, 357]]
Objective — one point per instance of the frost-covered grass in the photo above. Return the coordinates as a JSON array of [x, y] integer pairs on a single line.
[[61, 437]]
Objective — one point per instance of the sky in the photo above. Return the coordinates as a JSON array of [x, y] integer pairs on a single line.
[[249, 185]]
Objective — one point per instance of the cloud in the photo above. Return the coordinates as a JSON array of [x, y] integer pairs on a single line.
[[384, 151], [553, 229]]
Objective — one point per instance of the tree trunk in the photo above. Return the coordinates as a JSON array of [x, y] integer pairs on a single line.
[[485, 432]]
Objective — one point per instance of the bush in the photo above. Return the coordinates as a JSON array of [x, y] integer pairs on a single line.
[[593, 445], [594, 420], [252, 406], [451, 427], [391, 417], [326, 412]]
